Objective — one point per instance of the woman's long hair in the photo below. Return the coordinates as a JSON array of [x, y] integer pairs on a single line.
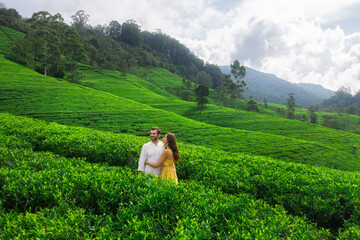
[[171, 140]]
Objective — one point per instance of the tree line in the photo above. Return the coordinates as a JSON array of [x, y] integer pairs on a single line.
[[55, 48], [52, 47], [343, 102]]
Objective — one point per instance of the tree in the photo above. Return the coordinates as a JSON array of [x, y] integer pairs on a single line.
[[230, 86], [186, 90], [80, 20], [291, 106], [20, 52], [303, 117], [114, 30], [313, 116], [51, 46], [131, 33], [265, 103], [204, 79], [215, 72], [239, 73], [252, 106], [221, 95], [201, 93], [101, 30], [72, 46], [44, 39], [332, 121]]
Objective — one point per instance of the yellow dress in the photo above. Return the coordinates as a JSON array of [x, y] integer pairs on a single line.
[[168, 170]]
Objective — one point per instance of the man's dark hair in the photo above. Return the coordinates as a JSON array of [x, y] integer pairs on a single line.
[[157, 130]]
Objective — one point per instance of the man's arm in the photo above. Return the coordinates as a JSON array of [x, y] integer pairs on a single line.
[[143, 157]]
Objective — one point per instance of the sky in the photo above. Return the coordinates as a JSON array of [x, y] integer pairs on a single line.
[[301, 41]]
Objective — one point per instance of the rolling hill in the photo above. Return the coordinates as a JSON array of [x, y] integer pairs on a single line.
[[224, 117], [28, 93]]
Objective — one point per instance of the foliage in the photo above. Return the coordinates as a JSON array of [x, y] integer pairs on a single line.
[[50, 47], [131, 33], [12, 19], [291, 106], [252, 106], [333, 122], [221, 95], [204, 79], [114, 30], [235, 88], [265, 103], [201, 93], [313, 116], [80, 21], [116, 46], [343, 101], [327, 197], [185, 92]]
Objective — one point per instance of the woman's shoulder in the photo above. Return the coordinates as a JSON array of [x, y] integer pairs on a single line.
[[168, 151]]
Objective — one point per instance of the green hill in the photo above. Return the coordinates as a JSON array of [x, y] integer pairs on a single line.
[[139, 90], [30, 94]]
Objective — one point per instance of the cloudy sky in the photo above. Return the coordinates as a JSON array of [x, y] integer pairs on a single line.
[[311, 41]]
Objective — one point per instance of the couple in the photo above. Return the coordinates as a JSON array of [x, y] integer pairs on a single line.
[[157, 158]]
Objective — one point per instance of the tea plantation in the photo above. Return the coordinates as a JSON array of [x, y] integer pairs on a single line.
[[77, 182], [6, 36], [69, 152], [111, 81], [28, 93]]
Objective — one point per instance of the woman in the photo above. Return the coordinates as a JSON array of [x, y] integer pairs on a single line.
[[167, 158]]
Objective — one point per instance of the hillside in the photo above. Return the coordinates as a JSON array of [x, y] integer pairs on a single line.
[[276, 90], [318, 90], [7, 35], [224, 117], [31, 94]]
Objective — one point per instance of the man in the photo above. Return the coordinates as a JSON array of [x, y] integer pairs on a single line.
[[151, 151]]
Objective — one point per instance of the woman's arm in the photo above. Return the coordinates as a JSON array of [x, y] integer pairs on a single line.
[[160, 161]]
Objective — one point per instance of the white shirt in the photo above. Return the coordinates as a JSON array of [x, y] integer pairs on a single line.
[[150, 152]]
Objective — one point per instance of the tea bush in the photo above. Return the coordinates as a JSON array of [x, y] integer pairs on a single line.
[[325, 196], [48, 196]]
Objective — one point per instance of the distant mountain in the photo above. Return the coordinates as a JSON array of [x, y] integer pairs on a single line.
[[318, 90], [276, 90]]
